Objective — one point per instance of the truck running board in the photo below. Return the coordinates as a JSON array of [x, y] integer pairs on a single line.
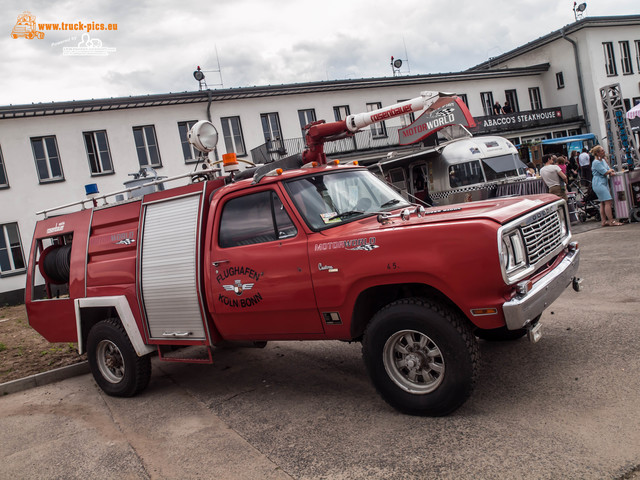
[[189, 354]]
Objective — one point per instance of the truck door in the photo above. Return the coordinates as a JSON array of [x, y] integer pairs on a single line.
[[260, 283]]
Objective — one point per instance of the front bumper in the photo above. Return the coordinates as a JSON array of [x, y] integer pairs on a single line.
[[519, 311]]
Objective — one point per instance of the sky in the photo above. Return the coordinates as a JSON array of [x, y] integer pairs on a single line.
[[238, 43]]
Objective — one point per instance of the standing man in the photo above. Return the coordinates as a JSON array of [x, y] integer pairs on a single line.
[[585, 165], [553, 176]]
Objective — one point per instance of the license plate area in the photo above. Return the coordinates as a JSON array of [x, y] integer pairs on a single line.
[[534, 332]]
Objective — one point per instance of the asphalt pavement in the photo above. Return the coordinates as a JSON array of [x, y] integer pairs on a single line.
[[566, 407]]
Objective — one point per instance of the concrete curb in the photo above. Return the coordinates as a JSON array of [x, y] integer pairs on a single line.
[[44, 378]]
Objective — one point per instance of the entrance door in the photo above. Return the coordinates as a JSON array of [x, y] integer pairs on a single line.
[[260, 279]]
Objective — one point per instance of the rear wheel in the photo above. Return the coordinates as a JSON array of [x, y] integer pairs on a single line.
[[115, 365], [421, 357]]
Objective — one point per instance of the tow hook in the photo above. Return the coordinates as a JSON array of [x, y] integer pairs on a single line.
[[577, 284]]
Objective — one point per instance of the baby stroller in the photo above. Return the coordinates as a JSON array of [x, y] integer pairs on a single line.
[[586, 202]]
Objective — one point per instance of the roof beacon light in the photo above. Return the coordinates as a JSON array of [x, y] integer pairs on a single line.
[[230, 162], [203, 136], [274, 173]]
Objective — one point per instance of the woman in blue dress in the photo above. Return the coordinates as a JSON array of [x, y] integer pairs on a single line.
[[600, 171]]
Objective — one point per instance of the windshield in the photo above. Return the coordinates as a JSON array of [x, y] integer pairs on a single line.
[[338, 197], [503, 166]]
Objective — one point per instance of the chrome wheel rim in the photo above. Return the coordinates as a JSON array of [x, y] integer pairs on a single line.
[[413, 362], [110, 361]]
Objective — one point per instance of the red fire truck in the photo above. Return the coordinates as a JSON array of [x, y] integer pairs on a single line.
[[299, 249]]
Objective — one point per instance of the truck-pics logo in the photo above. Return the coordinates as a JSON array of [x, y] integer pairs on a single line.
[[26, 27]]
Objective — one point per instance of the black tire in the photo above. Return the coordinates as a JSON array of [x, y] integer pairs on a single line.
[[501, 334], [115, 366], [422, 357]]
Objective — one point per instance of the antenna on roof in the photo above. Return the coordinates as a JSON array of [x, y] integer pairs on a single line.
[[198, 74], [578, 10], [396, 63]]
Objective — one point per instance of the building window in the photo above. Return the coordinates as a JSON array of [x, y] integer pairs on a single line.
[[408, 118], [487, 102], [11, 256], [609, 59], [341, 112], [272, 132], [189, 153], [535, 99], [4, 181], [232, 133], [463, 97], [560, 80], [637, 42], [45, 152], [625, 58], [97, 146], [511, 96], [306, 117], [379, 129], [147, 146]]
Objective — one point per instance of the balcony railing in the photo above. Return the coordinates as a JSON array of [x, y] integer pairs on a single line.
[[365, 140], [361, 141]]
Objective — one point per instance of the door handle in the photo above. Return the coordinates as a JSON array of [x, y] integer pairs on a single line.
[[176, 334], [217, 263]]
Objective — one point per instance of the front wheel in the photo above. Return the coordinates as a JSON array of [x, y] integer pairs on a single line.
[[421, 357], [114, 363]]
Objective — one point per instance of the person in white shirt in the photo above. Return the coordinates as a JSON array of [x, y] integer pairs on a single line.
[[584, 160], [554, 178]]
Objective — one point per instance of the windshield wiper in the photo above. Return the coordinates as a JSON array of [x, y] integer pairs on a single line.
[[393, 201], [350, 213]]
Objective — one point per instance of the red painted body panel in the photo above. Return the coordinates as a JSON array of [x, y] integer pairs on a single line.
[[281, 302], [111, 258], [54, 318]]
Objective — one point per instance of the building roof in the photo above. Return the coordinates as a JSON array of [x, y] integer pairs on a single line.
[[118, 103], [588, 22]]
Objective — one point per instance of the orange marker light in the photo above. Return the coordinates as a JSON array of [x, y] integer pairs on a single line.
[[229, 159]]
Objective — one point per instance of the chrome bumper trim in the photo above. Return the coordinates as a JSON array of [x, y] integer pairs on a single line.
[[519, 311]]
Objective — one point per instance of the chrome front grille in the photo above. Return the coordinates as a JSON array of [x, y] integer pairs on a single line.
[[542, 236]]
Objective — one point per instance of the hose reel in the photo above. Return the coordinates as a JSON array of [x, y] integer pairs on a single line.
[[55, 263]]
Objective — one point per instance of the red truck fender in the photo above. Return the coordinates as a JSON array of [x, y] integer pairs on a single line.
[[125, 314]]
